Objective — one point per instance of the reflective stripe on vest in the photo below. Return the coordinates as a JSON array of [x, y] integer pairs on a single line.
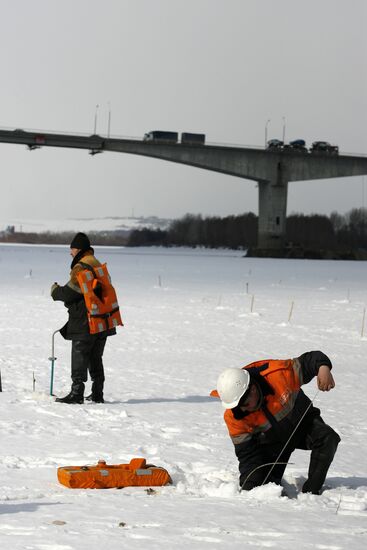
[[284, 378]]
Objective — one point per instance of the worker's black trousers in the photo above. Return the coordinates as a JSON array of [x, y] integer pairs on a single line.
[[322, 441], [86, 357], [313, 435]]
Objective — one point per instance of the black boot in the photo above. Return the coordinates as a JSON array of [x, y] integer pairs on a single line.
[[317, 477], [321, 458], [71, 399], [97, 389], [95, 398]]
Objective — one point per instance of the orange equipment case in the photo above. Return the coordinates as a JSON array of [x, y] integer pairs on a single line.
[[104, 476]]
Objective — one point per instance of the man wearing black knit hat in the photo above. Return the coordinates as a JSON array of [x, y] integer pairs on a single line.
[[80, 242], [86, 349]]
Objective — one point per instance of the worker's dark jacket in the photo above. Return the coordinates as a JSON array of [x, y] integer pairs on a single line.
[[77, 327], [260, 436]]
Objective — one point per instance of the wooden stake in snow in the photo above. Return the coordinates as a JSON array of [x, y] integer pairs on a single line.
[[252, 302], [159, 281], [290, 312], [246, 288], [363, 318], [34, 382]]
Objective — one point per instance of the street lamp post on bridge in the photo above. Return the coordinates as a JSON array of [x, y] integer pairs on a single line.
[[266, 131]]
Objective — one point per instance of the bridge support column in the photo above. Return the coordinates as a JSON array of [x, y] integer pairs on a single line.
[[272, 216]]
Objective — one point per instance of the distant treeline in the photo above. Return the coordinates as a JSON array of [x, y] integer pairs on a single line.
[[108, 238], [335, 235], [211, 232]]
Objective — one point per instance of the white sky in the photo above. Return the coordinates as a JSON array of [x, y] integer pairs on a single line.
[[218, 67]]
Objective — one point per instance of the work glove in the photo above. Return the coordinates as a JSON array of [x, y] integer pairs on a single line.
[[55, 285]]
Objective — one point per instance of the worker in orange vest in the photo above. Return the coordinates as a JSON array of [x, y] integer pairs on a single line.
[[268, 416], [86, 348]]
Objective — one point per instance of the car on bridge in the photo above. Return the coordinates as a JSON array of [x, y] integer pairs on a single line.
[[324, 147], [296, 145], [275, 144]]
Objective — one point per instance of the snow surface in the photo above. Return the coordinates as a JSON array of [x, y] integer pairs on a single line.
[[187, 316]]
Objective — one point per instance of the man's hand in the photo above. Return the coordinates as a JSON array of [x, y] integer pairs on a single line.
[[325, 380], [55, 285]]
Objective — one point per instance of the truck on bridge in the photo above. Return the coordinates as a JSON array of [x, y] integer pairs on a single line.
[[192, 139], [187, 138], [161, 136]]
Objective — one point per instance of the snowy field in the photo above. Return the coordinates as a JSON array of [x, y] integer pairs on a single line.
[[188, 315]]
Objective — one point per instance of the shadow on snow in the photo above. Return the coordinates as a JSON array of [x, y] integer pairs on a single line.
[[348, 482], [25, 507]]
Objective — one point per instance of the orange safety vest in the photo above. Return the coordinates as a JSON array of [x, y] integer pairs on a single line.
[[100, 298], [285, 378]]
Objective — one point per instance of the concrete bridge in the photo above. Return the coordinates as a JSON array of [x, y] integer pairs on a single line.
[[272, 169]]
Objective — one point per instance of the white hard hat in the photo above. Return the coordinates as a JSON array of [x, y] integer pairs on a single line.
[[231, 385]]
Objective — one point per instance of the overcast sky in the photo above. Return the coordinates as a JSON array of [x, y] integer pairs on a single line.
[[221, 67]]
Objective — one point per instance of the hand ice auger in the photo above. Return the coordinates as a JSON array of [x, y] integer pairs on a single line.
[[52, 359]]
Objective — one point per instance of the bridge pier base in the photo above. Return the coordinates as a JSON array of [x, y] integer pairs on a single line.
[[272, 218]]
